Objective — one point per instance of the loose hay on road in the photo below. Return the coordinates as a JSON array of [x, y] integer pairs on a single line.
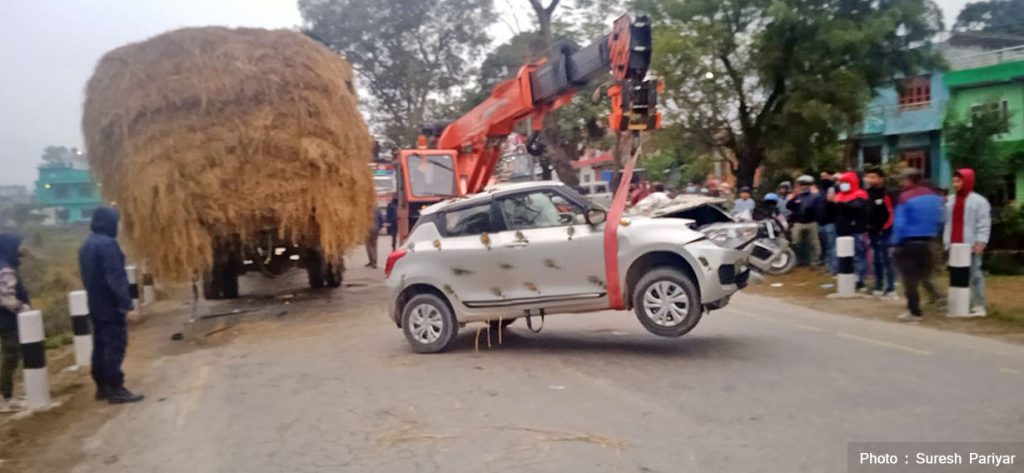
[[203, 133]]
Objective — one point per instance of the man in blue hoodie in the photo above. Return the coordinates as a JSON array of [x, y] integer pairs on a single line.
[[13, 300], [916, 225], [110, 306]]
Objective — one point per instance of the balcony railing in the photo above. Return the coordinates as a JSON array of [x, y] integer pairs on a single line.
[[987, 58]]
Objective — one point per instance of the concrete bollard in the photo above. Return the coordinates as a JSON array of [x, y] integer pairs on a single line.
[[959, 280], [148, 289], [81, 326], [33, 353], [133, 285], [846, 281]]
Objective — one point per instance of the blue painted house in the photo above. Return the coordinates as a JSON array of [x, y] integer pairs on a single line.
[[67, 192], [905, 123]]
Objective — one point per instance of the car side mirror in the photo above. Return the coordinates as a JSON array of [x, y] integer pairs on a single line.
[[596, 216]]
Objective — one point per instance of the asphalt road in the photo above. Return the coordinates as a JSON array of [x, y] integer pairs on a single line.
[[326, 383]]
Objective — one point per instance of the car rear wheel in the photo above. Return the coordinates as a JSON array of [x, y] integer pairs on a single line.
[[667, 302], [428, 324]]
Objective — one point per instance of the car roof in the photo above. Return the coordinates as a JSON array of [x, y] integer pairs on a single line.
[[490, 191]]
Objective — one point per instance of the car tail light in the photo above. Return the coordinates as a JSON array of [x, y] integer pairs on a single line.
[[392, 259]]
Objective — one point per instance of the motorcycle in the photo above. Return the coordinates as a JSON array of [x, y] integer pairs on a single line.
[[765, 241]]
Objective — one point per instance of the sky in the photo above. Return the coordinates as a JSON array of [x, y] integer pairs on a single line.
[[48, 49]]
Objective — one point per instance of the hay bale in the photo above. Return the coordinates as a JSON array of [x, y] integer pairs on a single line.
[[204, 133]]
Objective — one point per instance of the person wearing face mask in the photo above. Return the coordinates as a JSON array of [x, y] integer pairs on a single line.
[[852, 220], [969, 220], [13, 301]]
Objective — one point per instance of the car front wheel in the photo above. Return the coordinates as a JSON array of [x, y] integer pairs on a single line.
[[428, 324], [667, 303]]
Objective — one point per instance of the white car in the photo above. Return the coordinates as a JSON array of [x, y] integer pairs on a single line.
[[537, 248]]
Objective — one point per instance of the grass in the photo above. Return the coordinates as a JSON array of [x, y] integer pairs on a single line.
[[804, 286], [49, 271]]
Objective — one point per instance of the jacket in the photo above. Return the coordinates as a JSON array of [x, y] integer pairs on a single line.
[[102, 266], [918, 215], [880, 210], [851, 207], [977, 214], [805, 207], [13, 296], [392, 218]]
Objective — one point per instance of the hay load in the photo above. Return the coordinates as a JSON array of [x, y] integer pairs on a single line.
[[208, 135]]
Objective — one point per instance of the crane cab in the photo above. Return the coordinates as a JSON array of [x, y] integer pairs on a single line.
[[425, 177]]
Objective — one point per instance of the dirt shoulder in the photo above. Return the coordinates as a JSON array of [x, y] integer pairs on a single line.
[[809, 287]]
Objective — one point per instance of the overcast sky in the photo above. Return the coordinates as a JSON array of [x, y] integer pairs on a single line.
[[48, 49]]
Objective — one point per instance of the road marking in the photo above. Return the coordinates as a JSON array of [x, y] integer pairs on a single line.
[[1009, 370], [882, 343], [799, 325]]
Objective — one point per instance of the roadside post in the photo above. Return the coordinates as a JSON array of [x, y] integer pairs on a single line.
[[846, 281], [148, 289], [33, 353], [959, 280], [81, 327], [133, 285]]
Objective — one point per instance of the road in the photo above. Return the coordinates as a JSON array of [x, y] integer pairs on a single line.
[[325, 383]]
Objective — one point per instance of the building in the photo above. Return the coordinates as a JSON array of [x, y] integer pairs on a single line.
[[992, 81], [67, 192], [595, 165], [14, 195]]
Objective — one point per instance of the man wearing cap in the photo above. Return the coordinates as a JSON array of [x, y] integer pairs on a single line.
[[783, 191], [805, 207], [917, 222], [744, 203]]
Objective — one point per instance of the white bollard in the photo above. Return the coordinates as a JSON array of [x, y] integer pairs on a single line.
[[133, 285], [959, 280], [846, 281], [33, 353], [81, 326], [148, 289]]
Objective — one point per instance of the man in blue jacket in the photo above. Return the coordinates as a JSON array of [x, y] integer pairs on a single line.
[[110, 306], [916, 225]]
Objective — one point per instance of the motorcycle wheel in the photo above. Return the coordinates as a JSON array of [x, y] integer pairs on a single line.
[[782, 264]]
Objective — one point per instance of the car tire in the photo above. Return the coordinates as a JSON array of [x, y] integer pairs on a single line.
[[334, 276], [315, 269], [667, 318], [429, 324]]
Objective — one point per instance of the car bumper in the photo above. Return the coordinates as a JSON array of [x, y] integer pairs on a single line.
[[721, 271]]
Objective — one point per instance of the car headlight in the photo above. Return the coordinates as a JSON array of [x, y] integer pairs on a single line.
[[731, 237]]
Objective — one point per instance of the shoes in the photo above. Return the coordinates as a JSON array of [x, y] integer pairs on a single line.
[[978, 312], [908, 317], [102, 392], [877, 293], [120, 395], [891, 295]]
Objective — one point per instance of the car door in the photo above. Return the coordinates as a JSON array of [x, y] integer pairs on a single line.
[[462, 259], [548, 250]]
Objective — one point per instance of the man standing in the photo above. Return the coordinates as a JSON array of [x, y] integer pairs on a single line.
[[744, 204], [805, 208], [371, 238], [13, 301], [969, 220], [110, 306], [392, 221], [880, 218], [851, 220], [917, 222], [827, 223], [784, 189]]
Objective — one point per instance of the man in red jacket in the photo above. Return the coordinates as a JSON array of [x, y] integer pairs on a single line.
[[852, 220]]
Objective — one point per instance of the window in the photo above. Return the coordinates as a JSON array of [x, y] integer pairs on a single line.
[[1002, 108], [872, 155], [539, 210], [431, 175], [87, 213], [586, 177], [601, 188], [916, 92], [917, 159], [85, 190], [61, 191], [468, 221]]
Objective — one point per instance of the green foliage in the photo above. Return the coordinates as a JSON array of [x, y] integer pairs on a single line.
[[20, 215], [971, 144], [992, 16], [49, 271], [412, 55], [660, 166], [779, 79]]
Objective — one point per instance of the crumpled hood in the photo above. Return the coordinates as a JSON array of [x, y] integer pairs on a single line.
[[967, 175], [104, 221], [9, 245]]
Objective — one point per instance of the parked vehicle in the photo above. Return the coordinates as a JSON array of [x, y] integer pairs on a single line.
[[764, 240], [535, 249], [597, 192]]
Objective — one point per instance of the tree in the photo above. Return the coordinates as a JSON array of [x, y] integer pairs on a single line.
[[776, 79], [412, 55], [992, 16], [56, 154], [971, 143]]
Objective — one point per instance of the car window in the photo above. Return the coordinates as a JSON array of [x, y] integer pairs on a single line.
[[538, 210], [469, 221], [600, 189]]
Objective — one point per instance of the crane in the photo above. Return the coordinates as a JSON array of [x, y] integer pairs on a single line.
[[457, 158]]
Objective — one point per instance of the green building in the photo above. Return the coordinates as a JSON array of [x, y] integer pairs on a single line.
[[67, 192], [991, 81]]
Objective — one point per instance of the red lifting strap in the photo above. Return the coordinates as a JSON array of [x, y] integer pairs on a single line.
[[611, 235]]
